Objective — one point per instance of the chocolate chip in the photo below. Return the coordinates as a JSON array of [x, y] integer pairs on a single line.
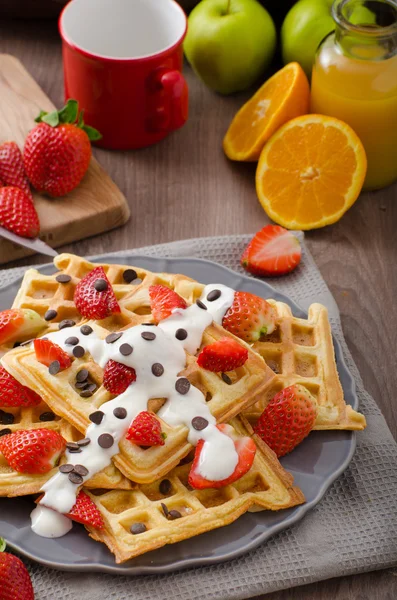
[[165, 487], [72, 446], [149, 324], [80, 385], [165, 509], [63, 278], [72, 341], [181, 334], [105, 440], [148, 335], [125, 349], [47, 416], [138, 528], [50, 314], [66, 323], [174, 514], [129, 275], [113, 337], [75, 450], [100, 285], [199, 423], [54, 367], [91, 387], [86, 329], [120, 412], [78, 351], [213, 295], [6, 418], [5, 431], [84, 442], [201, 305], [82, 375], [81, 470], [96, 417], [182, 385], [226, 379], [75, 478], [66, 468], [86, 394], [157, 369], [16, 344]]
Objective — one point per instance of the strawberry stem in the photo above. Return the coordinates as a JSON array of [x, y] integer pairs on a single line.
[[3, 544], [69, 114]]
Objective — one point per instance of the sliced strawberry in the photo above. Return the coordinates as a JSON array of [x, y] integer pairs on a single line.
[[163, 301], [47, 352], [12, 170], [224, 355], [249, 317], [117, 377], [245, 448], [145, 430], [33, 451], [288, 419], [85, 511], [19, 324], [17, 212], [14, 394], [94, 296], [272, 251]]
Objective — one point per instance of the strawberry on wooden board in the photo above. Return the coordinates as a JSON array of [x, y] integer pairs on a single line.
[[32, 451], [288, 419], [19, 324], [163, 301], [221, 356], [249, 317], [13, 393], [117, 377], [246, 450], [145, 430], [15, 583], [47, 353], [17, 213], [12, 170], [57, 151], [272, 251], [94, 296], [86, 512]]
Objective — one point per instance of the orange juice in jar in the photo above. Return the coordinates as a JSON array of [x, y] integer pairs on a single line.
[[355, 79]]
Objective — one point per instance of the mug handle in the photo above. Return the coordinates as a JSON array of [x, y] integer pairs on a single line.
[[170, 109]]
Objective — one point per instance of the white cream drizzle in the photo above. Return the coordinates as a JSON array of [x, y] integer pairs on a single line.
[[218, 458]]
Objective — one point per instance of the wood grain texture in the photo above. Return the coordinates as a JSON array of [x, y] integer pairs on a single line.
[[97, 204], [185, 187]]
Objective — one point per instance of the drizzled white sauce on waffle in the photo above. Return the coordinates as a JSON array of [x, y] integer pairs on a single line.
[[218, 458]]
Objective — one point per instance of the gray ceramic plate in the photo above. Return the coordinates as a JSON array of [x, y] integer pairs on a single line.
[[315, 464]]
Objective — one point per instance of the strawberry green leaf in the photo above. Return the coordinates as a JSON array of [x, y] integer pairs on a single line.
[[40, 116], [51, 119], [2, 545], [80, 122], [93, 134], [68, 114]]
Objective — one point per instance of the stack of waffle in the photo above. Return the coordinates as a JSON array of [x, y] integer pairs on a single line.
[[142, 485]]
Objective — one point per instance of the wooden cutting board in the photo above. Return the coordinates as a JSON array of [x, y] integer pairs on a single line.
[[95, 206]]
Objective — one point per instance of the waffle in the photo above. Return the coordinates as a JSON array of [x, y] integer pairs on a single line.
[[266, 486], [140, 465], [20, 484], [301, 351]]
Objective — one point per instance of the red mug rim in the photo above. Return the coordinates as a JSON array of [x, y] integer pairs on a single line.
[[113, 59]]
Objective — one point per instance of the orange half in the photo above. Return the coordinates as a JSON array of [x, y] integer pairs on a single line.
[[310, 172], [282, 97]]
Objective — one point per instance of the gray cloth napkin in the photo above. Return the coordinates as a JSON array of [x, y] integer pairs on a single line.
[[352, 529]]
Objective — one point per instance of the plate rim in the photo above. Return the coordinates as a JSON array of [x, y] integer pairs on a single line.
[[296, 513]]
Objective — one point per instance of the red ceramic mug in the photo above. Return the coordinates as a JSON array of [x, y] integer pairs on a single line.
[[123, 61]]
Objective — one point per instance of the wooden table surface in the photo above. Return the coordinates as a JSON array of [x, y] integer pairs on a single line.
[[185, 187]]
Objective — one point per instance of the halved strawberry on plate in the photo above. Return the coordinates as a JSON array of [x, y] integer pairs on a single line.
[[245, 448], [273, 251], [145, 430], [14, 394], [85, 511], [221, 356], [249, 317], [94, 296], [19, 324], [47, 353], [117, 377], [163, 301], [32, 451]]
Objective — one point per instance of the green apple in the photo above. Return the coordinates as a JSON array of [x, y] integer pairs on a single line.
[[229, 43], [304, 27]]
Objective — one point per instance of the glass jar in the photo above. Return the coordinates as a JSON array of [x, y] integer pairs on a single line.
[[355, 79]]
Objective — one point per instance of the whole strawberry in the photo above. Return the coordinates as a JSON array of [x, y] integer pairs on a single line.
[[15, 583], [17, 213], [288, 419], [57, 151]]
